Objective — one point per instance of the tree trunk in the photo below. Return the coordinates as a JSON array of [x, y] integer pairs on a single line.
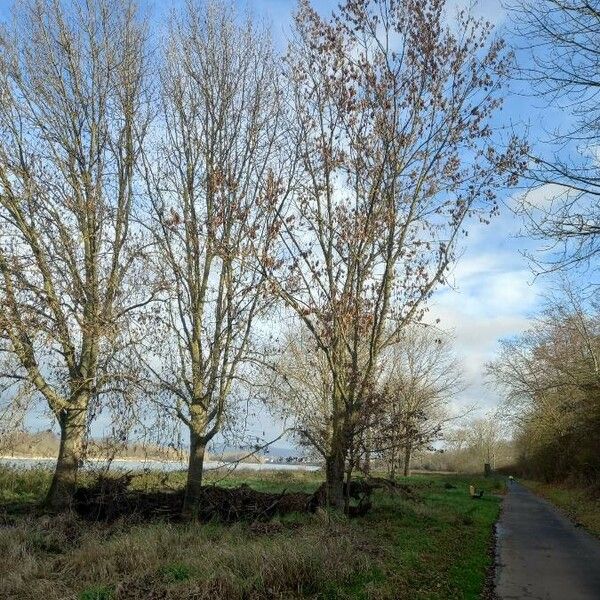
[[193, 488], [392, 461], [349, 469], [334, 472], [72, 441], [367, 462], [335, 462], [367, 449], [407, 457]]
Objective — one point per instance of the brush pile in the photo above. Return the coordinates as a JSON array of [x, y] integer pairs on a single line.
[[110, 498]]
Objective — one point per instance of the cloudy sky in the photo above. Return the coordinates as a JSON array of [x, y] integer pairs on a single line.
[[494, 293]]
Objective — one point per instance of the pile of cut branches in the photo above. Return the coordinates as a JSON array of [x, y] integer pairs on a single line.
[[110, 498]]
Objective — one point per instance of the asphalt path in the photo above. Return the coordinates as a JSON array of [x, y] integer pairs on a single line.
[[541, 554]]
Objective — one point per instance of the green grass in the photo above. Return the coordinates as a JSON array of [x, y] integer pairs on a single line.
[[581, 504], [97, 593], [434, 546], [23, 487]]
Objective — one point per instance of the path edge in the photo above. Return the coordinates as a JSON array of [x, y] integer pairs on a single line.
[[489, 587]]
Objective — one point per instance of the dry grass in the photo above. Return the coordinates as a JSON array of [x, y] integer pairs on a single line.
[[60, 558], [582, 504], [432, 545], [66, 558]]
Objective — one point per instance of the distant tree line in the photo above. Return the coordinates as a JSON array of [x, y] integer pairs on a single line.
[[45, 444], [472, 443]]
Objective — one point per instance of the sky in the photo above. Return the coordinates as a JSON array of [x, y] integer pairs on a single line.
[[493, 293]]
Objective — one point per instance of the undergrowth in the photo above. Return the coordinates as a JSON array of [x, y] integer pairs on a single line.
[[433, 545]]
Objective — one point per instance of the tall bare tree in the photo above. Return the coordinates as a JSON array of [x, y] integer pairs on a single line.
[[483, 439], [390, 116], [72, 119], [560, 46], [219, 109]]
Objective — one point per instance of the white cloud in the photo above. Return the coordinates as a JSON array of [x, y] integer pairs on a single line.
[[492, 296], [543, 196]]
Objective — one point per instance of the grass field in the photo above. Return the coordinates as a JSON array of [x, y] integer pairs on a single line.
[[581, 504], [433, 546]]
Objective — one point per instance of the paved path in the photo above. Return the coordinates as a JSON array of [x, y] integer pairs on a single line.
[[541, 555]]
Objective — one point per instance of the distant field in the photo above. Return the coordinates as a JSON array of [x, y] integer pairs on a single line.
[[434, 546], [581, 504]]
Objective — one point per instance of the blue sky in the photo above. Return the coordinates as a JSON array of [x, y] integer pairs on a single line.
[[494, 293]]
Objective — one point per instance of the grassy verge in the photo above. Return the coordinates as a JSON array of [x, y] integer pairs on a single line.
[[432, 546], [581, 504]]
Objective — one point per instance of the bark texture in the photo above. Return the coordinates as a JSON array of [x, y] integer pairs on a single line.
[[407, 459], [70, 457], [193, 488]]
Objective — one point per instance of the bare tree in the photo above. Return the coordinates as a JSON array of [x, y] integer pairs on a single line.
[[389, 116], [561, 64], [551, 380], [485, 436], [72, 119], [404, 412], [217, 136], [480, 440], [420, 377], [299, 389]]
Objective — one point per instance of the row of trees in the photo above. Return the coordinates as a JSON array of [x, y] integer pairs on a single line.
[[551, 377], [471, 443], [161, 201], [482, 440]]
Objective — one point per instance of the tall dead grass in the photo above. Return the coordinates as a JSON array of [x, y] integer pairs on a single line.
[[64, 558]]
